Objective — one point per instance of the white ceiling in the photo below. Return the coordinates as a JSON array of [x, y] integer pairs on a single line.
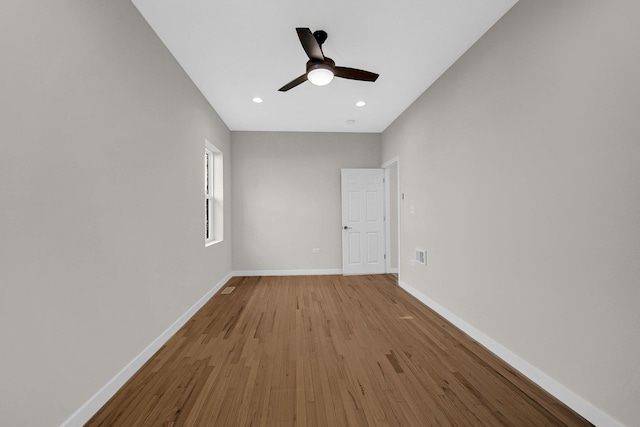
[[240, 49]]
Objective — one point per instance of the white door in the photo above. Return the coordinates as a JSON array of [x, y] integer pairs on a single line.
[[363, 221]]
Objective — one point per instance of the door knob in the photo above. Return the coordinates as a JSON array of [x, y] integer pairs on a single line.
[[346, 228]]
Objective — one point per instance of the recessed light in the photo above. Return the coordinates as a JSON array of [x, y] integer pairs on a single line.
[[350, 122], [257, 100], [360, 104]]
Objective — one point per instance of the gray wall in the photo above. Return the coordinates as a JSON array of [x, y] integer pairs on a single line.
[[522, 163], [286, 196], [101, 205]]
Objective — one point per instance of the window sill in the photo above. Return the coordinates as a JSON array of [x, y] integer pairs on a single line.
[[213, 242]]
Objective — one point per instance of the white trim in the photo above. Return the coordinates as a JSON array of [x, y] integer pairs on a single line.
[[590, 412], [387, 222], [568, 397], [390, 162], [386, 166], [286, 272], [93, 405], [214, 198], [208, 192]]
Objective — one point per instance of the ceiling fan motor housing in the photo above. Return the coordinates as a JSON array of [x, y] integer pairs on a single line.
[[327, 64], [320, 36]]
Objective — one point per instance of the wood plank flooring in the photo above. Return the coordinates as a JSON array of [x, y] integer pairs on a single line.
[[326, 351]]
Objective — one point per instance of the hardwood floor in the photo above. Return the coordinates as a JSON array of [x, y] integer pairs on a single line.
[[326, 351]]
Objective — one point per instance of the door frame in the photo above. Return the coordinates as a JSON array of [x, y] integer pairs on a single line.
[[394, 161]]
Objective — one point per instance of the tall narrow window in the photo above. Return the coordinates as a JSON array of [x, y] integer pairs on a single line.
[[213, 207], [208, 194]]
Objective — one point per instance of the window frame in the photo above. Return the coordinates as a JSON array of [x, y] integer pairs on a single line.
[[213, 186]]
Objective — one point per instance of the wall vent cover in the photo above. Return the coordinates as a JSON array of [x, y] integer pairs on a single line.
[[421, 256]]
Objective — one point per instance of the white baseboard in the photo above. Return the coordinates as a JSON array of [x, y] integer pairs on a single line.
[[568, 397], [91, 406], [590, 412], [286, 272]]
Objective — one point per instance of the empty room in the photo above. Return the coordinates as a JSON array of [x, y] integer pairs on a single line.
[[320, 214]]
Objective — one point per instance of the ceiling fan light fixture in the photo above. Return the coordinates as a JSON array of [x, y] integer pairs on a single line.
[[320, 74]]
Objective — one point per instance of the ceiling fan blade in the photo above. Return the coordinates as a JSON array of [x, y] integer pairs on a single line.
[[293, 83], [355, 74], [310, 44]]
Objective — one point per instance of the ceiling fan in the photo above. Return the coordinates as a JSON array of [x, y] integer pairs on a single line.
[[322, 69]]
